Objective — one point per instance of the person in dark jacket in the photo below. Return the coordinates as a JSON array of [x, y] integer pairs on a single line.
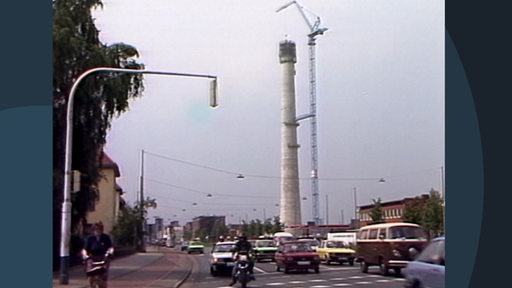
[[98, 245], [243, 246]]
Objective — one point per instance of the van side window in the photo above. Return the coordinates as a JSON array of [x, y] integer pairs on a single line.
[[363, 234], [373, 234]]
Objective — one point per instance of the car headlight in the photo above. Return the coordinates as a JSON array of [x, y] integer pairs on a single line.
[[413, 252], [396, 253]]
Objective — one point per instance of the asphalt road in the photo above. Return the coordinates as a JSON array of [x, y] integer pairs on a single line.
[[333, 275]]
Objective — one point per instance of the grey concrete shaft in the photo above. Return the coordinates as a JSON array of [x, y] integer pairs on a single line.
[[290, 213]]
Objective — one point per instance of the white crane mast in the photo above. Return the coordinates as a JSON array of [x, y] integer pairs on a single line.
[[314, 31]]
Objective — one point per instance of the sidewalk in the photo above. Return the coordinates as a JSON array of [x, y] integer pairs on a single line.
[[157, 267]]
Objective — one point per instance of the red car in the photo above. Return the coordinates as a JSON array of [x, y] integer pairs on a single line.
[[296, 255]]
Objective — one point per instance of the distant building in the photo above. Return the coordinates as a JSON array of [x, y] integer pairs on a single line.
[[392, 211], [207, 227], [107, 207]]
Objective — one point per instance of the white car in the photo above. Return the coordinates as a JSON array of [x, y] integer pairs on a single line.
[[428, 269], [221, 259]]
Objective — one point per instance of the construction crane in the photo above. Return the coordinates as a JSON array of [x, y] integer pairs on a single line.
[[315, 30]]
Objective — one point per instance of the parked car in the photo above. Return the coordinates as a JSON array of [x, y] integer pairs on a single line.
[[221, 258], [264, 249], [389, 246], [296, 255], [336, 251], [195, 247], [311, 241], [428, 268]]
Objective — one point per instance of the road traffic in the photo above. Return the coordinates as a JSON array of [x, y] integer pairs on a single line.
[[333, 275]]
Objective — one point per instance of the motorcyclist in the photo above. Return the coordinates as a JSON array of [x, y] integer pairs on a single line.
[[243, 246], [98, 245]]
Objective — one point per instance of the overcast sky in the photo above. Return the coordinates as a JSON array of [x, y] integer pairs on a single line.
[[380, 103]]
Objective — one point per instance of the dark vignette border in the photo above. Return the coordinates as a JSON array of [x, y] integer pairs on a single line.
[[25, 146], [480, 33]]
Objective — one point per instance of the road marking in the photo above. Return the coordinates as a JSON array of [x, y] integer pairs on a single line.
[[260, 270], [356, 277], [317, 280], [363, 282]]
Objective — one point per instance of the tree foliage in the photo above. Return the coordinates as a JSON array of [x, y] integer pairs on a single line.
[[256, 227], [413, 211], [128, 229], [376, 212], [433, 216], [99, 98], [427, 213]]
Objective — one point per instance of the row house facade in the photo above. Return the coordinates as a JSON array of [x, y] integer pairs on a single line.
[[392, 211], [109, 202]]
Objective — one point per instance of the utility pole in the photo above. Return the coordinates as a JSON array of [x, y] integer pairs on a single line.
[[142, 245], [314, 31], [356, 221]]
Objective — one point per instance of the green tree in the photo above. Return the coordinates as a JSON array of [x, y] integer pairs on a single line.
[[267, 226], [99, 98], [127, 227], [376, 212], [433, 213], [413, 211], [277, 225]]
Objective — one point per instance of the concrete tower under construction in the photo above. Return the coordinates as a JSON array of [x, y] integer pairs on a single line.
[[290, 193]]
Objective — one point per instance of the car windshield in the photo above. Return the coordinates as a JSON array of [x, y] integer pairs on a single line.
[[406, 232], [302, 247], [195, 244], [311, 242], [265, 243], [336, 244], [223, 248]]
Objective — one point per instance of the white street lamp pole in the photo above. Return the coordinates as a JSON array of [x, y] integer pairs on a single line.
[[66, 203], [356, 220], [444, 198]]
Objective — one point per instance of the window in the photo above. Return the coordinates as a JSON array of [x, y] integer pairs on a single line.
[[373, 233], [363, 234]]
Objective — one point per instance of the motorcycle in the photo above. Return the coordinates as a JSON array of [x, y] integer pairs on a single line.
[[96, 269], [242, 274]]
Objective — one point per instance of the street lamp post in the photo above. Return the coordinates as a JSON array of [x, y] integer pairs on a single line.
[[356, 220], [142, 246], [66, 203], [443, 194]]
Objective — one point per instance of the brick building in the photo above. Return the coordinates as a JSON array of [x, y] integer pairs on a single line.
[[392, 211]]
